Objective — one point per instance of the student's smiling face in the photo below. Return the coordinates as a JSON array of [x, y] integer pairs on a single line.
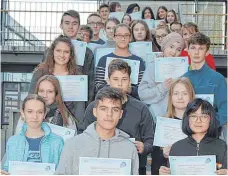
[[62, 54], [173, 50], [147, 14], [34, 113], [122, 37], [126, 20], [70, 26], [109, 29], [170, 17]]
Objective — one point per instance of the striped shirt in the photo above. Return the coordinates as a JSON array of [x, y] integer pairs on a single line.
[[100, 69]]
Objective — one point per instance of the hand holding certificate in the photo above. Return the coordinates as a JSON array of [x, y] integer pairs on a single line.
[[104, 166], [31, 168], [74, 87], [134, 64], [170, 67], [167, 131], [80, 50], [193, 165], [63, 132]]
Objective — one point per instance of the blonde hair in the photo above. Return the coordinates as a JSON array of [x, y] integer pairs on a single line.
[[186, 82]]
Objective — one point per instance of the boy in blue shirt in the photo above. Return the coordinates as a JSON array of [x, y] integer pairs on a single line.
[[205, 80]]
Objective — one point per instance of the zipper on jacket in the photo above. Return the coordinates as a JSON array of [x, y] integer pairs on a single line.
[[197, 149]]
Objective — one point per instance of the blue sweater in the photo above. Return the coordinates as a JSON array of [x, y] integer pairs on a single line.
[[17, 148], [208, 81]]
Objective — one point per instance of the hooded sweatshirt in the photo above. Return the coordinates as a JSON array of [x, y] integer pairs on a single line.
[[89, 144], [17, 148]]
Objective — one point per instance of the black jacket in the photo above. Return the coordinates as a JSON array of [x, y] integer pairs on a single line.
[[136, 121], [207, 146]]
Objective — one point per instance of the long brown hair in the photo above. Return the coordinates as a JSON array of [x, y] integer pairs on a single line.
[[148, 34], [49, 62], [185, 81], [58, 95]]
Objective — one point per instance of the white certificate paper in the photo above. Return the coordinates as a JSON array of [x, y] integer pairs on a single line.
[[93, 46], [80, 50], [167, 131], [134, 64], [140, 49], [104, 166], [208, 97], [193, 165], [63, 132], [136, 15], [102, 52], [150, 23], [74, 87], [31, 168], [117, 15], [170, 67], [150, 56]]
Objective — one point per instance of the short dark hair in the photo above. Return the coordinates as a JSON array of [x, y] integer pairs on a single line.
[[93, 14], [206, 108], [109, 93], [151, 11], [88, 29], [71, 13], [199, 39], [118, 65], [176, 22], [33, 97], [104, 5], [113, 6], [113, 19]]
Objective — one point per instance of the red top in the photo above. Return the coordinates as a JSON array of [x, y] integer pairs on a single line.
[[209, 59]]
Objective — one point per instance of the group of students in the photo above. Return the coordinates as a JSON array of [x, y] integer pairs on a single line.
[[116, 109]]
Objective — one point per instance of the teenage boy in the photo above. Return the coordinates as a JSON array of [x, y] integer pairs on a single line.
[[104, 12], [70, 25], [136, 119], [122, 37], [204, 79], [101, 139], [176, 27], [95, 22]]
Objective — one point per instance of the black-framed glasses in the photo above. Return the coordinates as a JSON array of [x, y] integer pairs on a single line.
[[95, 24], [120, 36], [203, 118]]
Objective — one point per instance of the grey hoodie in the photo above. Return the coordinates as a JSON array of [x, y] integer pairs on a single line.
[[89, 144]]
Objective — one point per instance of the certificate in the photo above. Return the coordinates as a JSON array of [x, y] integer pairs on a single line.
[[157, 22], [167, 131], [150, 56], [104, 166], [31, 168], [150, 23], [74, 87], [117, 15], [93, 46], [102, 35], [63, 132], [193, 165], [80, 50], [136, 15], [207, 97], [170, 67], [140, 49], [134, 64], [102, 52]]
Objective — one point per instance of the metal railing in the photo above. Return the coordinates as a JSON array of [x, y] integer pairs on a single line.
[[32, 26]]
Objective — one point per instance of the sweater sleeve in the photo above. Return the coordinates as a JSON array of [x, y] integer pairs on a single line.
[[100, 73], [221, 101], [89, 70], [141, 71], [147, 130], [148, 91], [135, 163], [36, 76]]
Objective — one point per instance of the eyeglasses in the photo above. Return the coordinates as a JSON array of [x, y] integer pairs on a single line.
[[119, 36], [160, 37], [203, 118], [97, 24]]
